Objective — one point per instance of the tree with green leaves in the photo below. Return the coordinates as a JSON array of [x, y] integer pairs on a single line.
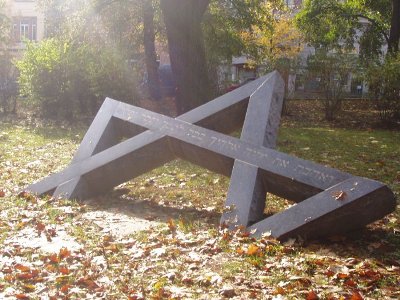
[[65, 80], [232, 28], [338, 24], [236, 28], [138, 26], [202, 33], [72, 72]]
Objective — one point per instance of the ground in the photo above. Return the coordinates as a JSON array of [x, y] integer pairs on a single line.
[[157, 237]]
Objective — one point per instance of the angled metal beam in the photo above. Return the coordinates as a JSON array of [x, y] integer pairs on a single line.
[[104, 161], [224, 114], [246, 195]]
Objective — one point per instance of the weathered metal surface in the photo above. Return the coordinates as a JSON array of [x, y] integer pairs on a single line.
[[104, 161], [247, 192]]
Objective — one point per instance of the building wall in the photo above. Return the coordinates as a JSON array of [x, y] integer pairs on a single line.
[[26, 20]]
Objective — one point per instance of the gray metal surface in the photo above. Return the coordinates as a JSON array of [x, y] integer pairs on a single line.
[[124, 142]]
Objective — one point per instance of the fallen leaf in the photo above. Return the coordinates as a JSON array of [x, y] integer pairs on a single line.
[[240, 251], [54, 258], [64, 270], [280, 291], [27, 196], [340, 195], [62, 279], [252, 250], [370, 274], [112, 248], [350, 282], [28, 287], [21, 297], [187, 280], [356, 296], [107, 239], [51, 268], [64, 289], [88, 283], [329, 273], [2, 193], [24, 276], [312, 296], [22, 268], [7, 270], [64, 253], [342, 275], [40, 227]]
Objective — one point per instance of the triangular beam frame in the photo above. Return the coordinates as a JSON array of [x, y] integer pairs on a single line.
[[328, 201]]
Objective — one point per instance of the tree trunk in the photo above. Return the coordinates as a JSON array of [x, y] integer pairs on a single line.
[[153, 80], [394, 35], [187, 51]]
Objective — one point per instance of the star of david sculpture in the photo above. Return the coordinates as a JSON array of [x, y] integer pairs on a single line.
[[125, 141]]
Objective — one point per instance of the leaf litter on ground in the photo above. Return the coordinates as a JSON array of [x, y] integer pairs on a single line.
[[62, 249]]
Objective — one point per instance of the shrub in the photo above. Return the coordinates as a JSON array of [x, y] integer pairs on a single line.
[[384, 85], [8, 84], [65, 79], [332, 70]]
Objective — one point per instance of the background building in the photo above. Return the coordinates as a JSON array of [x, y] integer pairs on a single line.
[[27, 23]]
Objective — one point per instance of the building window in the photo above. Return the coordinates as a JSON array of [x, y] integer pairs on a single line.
[[24, 28], [24, 31], [33, 33]]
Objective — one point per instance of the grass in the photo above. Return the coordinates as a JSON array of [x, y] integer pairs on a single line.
[[189, 257], [374, 154]]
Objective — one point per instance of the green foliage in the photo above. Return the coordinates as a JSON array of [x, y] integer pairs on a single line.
[[320, 22], [65, 79], [263, 31], [8, 85], [227, 20], [383, 79], [336, 24], [86, 58], [332, 70]]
